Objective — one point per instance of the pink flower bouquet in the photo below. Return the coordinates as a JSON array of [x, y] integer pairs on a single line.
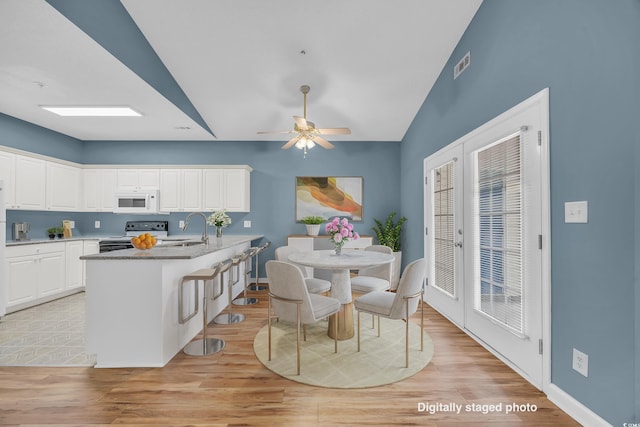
[[340, 231]]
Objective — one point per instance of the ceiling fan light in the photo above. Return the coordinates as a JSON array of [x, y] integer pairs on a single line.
[[304, 142]]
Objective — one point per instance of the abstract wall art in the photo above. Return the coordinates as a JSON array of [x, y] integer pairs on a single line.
[[329, 196]]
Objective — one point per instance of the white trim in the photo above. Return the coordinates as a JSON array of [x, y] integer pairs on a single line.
[[575, 409]]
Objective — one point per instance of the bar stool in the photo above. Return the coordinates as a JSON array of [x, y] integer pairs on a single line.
[[245, 258], [206, 345], [229, 317], [258, 286]]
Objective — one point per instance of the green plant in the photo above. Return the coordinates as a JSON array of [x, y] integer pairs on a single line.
[[312, 220], [52, 230], [388, 234], [59, 230]]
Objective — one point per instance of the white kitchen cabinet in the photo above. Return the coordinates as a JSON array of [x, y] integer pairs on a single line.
[[34, 273], [63, 187], [237, 190], [30, 184], [7, 174], [74, 265], [99, 189], [130, 179], [227, 189], [181, 190]]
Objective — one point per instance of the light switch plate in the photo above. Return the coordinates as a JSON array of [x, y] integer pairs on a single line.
[[576, 212], [247, 224], [96, 224]]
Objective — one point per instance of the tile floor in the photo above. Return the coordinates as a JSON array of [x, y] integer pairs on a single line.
[[50, 334]]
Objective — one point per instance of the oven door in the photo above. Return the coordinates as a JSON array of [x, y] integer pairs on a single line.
[[114, 245]]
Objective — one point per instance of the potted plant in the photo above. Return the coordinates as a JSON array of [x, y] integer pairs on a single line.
[[313, 224], [388, 234], [52, 232], [60, 232]]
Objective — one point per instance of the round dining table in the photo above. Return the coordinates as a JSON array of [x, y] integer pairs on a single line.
[[340, 267]]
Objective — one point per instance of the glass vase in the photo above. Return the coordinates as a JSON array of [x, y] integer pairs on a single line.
[[338, 250], [218, 231]]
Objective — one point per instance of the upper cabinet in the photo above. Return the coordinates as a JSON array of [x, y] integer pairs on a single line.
[[99, 189], [227, 189], [8, 176], [30, 183], [33, 182], [131, 179], [63, 188]]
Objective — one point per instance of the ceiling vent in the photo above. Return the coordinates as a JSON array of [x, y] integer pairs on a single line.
[[462, 65]]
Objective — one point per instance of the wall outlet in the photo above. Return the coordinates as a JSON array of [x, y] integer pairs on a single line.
[[581, 362], [181, 224], [247, 224], [96, 224]]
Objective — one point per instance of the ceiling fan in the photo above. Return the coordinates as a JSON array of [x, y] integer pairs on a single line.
[[306, 133]]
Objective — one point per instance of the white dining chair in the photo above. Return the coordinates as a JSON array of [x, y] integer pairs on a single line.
[[399, 305], [314, 285], [376, 278], [290, 301]]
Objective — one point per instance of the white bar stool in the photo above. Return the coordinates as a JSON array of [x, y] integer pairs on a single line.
[[245, 259], [229, 317], [206, 345]]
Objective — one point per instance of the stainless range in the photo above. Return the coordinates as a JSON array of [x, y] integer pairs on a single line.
[[159, 229]]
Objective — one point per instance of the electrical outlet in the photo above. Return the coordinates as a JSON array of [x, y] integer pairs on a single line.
[[96, 224], [181, 224], [581, 362], [247, 224], [576, 212]]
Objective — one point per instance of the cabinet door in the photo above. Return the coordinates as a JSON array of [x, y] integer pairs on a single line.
[[213, 189], [149, 178], [30, 183], [21, 277], [236, 190], [7, 174], [63, 187], [91, 179], [108, 189], [170, 190], [74, 271], [191, 190], [127, 179], [50, 273]]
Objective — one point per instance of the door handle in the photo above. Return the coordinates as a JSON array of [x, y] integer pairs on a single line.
[[458, 244]]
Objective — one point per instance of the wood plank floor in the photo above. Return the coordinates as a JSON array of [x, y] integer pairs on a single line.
[[232, 388]]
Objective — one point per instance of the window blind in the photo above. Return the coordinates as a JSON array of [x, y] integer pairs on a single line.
[[444, 224]]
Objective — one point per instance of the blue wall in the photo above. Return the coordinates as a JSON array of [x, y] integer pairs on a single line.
[[586, 52]]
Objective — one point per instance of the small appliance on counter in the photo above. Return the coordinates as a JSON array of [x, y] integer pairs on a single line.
[[20, 231]]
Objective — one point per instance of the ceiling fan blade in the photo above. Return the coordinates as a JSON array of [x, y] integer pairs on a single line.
[[335, 131], [274, 131], [322, 142], [301, 123], [292, 141]]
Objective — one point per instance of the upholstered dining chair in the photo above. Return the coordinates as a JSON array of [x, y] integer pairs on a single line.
[[376, 278], [315, 286], [290, 301], [400, 305]]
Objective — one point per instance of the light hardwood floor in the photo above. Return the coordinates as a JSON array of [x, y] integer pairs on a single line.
[[232, 388]]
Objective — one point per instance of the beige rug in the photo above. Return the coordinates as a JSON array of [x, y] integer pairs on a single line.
[[380, 361]]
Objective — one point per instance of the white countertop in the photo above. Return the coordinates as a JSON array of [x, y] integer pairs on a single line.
[[169, 251]]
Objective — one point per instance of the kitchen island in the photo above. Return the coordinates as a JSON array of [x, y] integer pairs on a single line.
[[132, 299]]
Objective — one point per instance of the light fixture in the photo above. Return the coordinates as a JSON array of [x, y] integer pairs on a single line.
[[305, 143], [92, 111]]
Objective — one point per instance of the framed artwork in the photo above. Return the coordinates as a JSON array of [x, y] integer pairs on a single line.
[[329, 196]]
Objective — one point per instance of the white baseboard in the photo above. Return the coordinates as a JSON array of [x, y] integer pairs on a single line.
[[575, 409]]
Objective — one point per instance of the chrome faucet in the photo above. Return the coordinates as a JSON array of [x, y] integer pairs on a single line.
[[205, 235]]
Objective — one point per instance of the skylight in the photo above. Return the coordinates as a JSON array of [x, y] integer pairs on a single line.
[[92, 111]]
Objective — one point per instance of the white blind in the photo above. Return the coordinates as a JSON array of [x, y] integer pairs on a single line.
[[499, 281], [444, 224]]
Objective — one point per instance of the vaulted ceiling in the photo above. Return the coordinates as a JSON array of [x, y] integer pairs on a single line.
[[225, 69]]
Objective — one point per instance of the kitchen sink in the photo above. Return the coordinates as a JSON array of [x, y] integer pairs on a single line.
[[183, 243]]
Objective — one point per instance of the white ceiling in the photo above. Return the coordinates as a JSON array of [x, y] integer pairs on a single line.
[[370, 65]]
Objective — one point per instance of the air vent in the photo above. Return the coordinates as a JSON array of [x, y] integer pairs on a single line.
[[462, 65]]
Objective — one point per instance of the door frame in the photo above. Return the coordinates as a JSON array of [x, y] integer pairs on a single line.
[[541, 101]]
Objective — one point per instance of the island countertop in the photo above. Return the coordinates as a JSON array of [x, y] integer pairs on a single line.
[[186, 249]]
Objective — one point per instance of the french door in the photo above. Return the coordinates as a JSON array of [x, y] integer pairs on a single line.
[[484, 228]]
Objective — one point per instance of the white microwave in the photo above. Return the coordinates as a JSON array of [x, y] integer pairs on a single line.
[[138, 201]]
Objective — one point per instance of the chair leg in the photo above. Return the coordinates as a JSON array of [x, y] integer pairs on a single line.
[[421, 324], [298, 334], [335, 334], [358, 330], [269, 322], [378, 326], [304, 332], [406, 345]]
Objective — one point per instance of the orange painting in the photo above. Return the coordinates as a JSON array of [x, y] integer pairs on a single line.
[[329, 196]]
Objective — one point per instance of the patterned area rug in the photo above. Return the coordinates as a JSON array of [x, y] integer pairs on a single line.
[[50, 334], [381, 360]]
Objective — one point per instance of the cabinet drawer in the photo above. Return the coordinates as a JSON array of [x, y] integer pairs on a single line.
[[35, 249]]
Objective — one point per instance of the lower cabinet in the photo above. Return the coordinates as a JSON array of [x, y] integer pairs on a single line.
[[34, 272], [37, 273]]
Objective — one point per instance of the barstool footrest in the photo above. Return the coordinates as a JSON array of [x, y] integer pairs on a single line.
[[228, 318], [204, 347]]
